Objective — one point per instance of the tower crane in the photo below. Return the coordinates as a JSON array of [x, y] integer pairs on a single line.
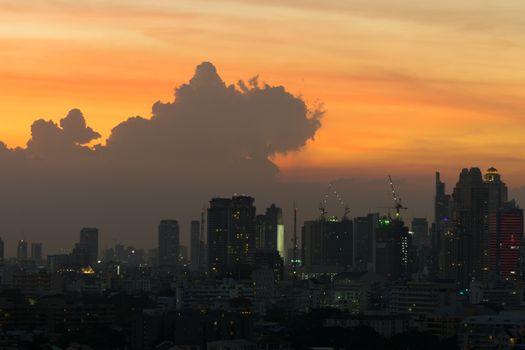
[[331, 190], [397, 200]]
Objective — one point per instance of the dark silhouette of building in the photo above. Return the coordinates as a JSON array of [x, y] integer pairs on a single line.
[[506, 233], [168, 243], [231, 233], [21, 250], [394, 251], [218, 227], [327, 243], [89, 243], [442, 257], [2, 251], [36, 251], [364, 240], [420, 232], [195, 245], [470, 198]]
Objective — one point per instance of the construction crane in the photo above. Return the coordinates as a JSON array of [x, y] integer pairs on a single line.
[[331, 190], [397, 201]]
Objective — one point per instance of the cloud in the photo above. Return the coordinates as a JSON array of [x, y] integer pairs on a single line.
[[212, 139]]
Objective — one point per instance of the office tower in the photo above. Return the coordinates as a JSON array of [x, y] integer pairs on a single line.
[[312, 243], [420, 232], [497, 190], [506, 233], [327, 243], [89, 243], [2, 250], [36, 251], [274, 239], [394, 252], [168, 243], [441, 240], [21, 250], [470, 198], [260, 231], [241, 232], [195, 245], [364, 241], [218, 226]]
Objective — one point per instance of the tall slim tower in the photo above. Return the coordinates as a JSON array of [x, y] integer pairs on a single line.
[[195, 244], [2, 248], [505, 235], [36, 251], [470, 217], [218, 228], [89, 240], [168, 243], [21, 250]]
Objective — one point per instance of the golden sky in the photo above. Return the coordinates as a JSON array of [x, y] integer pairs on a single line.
[[408, 85]]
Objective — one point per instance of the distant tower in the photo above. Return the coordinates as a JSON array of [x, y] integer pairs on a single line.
[[1, 251], [505, 235], [169, 241], [89, 243], [36, 251], [195, 245], [470, 226], [21, 250], [231, 233]]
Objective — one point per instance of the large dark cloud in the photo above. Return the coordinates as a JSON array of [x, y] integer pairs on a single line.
[[212, 139]]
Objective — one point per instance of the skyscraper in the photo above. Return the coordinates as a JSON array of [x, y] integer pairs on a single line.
[[275, 230], [168, 243], [420, 231], [327, 243], [195, 245], [470, 199], [497, 190], [218, 227], [394, 252], [21, 250], [2, 249], [505, 235], [36, 251], [89, 243], [241, 232], [231, 234], [364, 240], [441, 240]]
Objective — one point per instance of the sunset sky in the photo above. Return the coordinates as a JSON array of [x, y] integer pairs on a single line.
[[407, 85]]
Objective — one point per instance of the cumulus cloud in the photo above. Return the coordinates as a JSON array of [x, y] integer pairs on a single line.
[[213, 138]]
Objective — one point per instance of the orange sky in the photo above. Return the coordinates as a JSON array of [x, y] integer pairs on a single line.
[[406, 84]]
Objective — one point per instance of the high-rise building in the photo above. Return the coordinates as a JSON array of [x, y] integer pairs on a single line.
[[218, 227], [497, 190], [442, 241], [241, 231], [506, 233], [231, 233], [21, 250], [470, 199], [36, 251], [394, 251], [275, 230], [420, 232], [168, 243], [89, 243], [364, 241], [2, 249], [195, 245], [327, 243]]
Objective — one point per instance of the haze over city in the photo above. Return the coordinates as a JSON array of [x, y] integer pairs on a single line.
[[400, 89]]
